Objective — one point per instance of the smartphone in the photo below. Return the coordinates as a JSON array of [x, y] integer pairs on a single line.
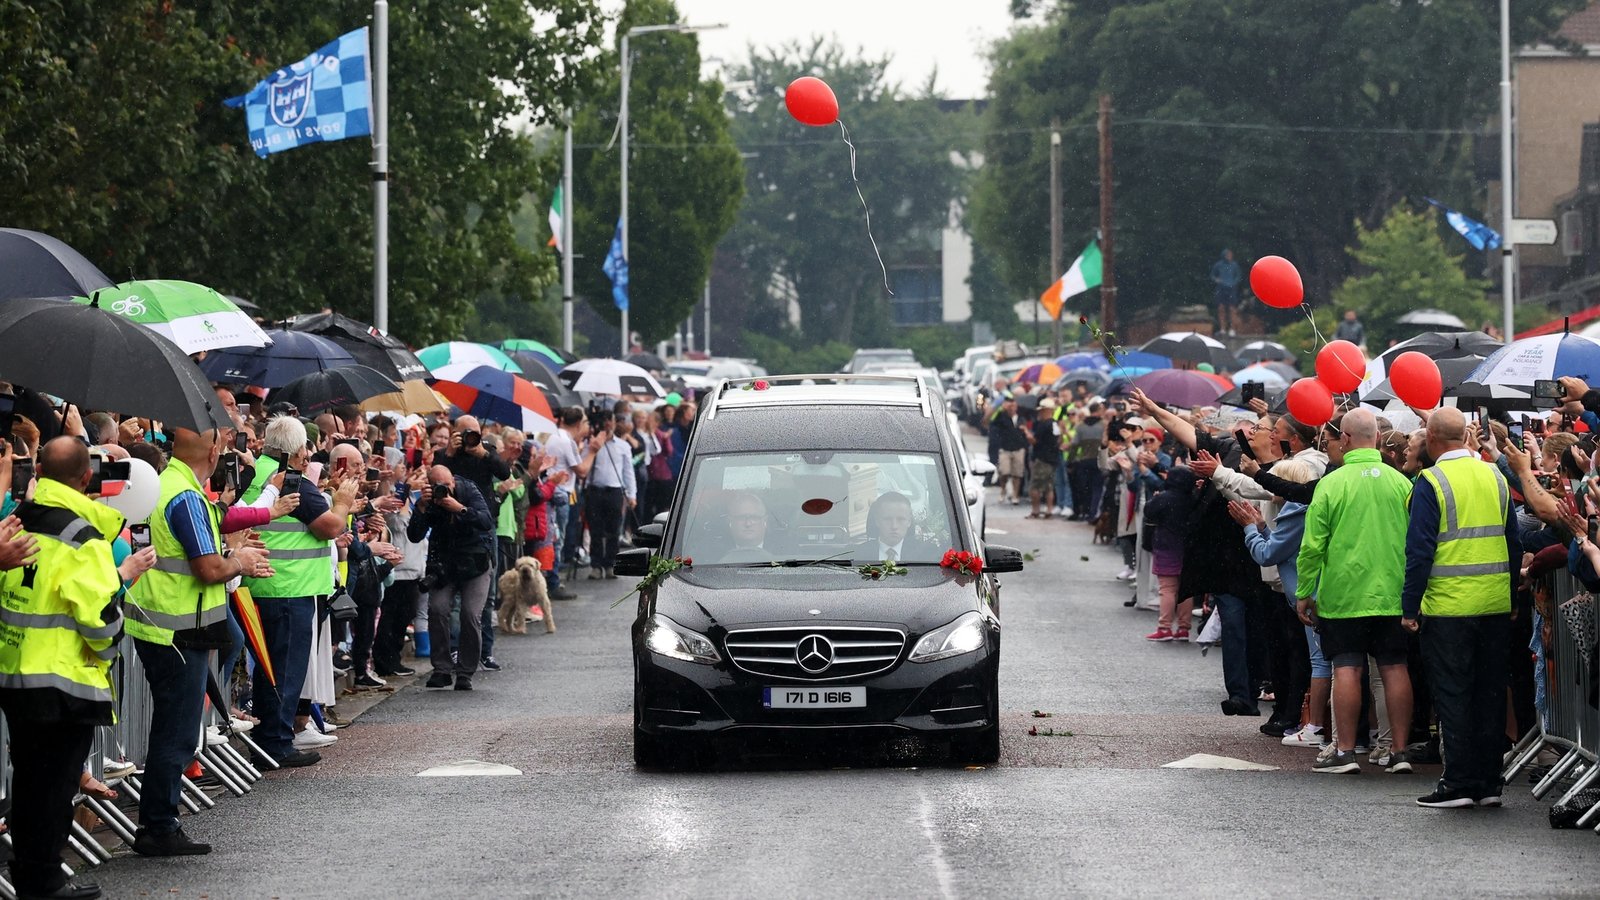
[[21, 477], [227, 473], [1252, 390], [377, 449], [1483, 416], [1247, 450], [241, 442], [291, 483], [372, 474], [104, 471], [352, 442], [413, 457], [1515, 430], [1548, 389], [139, 535], [1284, 446]]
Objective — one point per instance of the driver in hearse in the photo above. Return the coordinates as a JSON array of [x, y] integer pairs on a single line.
[[747, 529]]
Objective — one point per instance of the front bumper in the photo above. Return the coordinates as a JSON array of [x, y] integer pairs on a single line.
[[948, 696]]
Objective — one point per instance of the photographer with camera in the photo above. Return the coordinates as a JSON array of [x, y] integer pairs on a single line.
[[455, 518]]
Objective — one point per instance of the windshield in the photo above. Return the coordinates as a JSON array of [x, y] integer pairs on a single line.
[[688, 368], [849, 507]]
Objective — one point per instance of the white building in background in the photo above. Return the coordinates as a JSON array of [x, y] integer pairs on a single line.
[[936, 290]]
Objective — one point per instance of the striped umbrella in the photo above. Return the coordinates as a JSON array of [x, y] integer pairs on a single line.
[[456, 353], [488, 393], [190, 315], [254, 634], [1040, 373]]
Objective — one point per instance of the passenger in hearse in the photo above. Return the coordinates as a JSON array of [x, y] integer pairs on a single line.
[[889, 539]]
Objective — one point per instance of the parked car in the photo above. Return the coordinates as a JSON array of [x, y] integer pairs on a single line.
[[771, 627], [703, 374], [890, 355]]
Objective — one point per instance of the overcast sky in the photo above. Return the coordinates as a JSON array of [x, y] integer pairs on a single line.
[[949, 34]]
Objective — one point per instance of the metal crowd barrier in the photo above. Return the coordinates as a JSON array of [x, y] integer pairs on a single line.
[[1570, 723], [127, 740]]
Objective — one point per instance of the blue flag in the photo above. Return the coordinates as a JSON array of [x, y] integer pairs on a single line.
[[616, 269], [1479, 235], [325, 97]]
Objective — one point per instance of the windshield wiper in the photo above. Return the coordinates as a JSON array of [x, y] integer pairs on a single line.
[[799, 563]]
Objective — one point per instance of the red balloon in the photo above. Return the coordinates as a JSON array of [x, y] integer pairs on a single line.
[[1341, 366], [1277, 282], [1415, 380], [1310, 401], [811, 101]]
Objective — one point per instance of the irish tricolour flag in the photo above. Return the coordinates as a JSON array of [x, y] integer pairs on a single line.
[[1084, 274], [555, 219]]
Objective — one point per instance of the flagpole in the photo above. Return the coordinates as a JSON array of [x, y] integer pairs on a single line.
[[1508, 259], [380, 164], [566, 239], [622, 124]]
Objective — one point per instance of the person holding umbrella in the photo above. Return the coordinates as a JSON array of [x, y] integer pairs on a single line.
[[176, 614]]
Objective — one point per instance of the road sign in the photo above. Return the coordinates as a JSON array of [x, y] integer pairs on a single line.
[[1533, 231]]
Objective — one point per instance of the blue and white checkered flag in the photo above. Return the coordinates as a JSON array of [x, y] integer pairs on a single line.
[[325, 97], [1479, 235], [616, 269]]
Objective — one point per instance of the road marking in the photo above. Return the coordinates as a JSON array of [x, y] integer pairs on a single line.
[[941, 866], [996, 531], [1208, 761], [467, 767]]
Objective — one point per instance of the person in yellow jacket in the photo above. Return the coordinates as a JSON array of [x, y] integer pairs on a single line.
[[177, 614], [59, 626], [1463, 552]]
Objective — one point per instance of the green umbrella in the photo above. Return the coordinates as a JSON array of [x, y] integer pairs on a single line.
[[531, 346], [191, 315], [461, 355]]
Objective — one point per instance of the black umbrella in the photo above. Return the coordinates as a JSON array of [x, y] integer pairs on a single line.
[[101, 361], [1193, 347], [370, 347], [542, 372], [242, 303], [290, 355], [38, 265], [1260, 351], [340, 386], [647, 361], [1453, 372], [1438, 345]]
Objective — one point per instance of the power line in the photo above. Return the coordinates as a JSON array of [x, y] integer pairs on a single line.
[[948, 137]]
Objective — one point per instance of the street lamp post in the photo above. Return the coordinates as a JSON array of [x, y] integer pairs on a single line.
[[1508, 259], [622, 125]]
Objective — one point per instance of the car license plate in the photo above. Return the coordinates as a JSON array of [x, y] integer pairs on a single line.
[[814, 698]]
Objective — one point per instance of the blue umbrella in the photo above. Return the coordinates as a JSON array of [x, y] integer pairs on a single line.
[[291, 355], [1143, 358], [1081, 360], [1546, 357]]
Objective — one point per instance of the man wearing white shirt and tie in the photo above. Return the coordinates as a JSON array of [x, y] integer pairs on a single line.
[[888, 529]]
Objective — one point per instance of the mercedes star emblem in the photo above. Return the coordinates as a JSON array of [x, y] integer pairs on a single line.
[[814, 653]]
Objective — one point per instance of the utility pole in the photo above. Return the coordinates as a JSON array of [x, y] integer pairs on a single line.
[[1055, 226], [380, 165], [566, 239], [1108, 281], [1508, 252]]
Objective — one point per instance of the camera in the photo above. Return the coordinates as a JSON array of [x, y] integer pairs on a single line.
[[470, 439], [440, 491]]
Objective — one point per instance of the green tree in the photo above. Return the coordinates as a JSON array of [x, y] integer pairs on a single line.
[[1267, 126], [685, 177], [801, 231], [114, 138]]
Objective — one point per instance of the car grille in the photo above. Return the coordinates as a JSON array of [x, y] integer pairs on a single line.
[[776, 652]]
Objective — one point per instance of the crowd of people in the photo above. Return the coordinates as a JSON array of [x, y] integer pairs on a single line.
[[1385, 588], [349, 534]]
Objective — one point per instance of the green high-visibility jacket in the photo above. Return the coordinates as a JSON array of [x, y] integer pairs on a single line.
[[58, 622]]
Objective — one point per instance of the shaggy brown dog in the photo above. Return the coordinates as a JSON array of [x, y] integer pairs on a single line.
[[521, 589]]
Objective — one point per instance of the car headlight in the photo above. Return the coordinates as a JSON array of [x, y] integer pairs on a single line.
[[667, 638], [964, 635]]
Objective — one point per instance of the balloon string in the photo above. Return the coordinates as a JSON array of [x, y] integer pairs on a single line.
[[845, 133], [1306, 308]]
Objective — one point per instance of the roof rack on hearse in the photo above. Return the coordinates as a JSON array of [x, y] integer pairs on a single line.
[[832, 389]]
